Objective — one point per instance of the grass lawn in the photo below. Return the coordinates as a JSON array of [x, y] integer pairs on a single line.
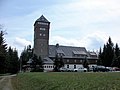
[[67, 81]]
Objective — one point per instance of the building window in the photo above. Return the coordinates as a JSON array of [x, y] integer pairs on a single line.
[[67, 66], [44, 35], [75, 61], [42, 23], [67, 60], [41, 50], [43, 29], [44, 66], [81, 61], [41, 45], [40, 34], [74, 66]]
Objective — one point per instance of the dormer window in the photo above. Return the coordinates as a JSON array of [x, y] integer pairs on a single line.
[[79, 53], [60, 53]]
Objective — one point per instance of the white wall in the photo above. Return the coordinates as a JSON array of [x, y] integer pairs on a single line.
[[72, 65], [48, 67]]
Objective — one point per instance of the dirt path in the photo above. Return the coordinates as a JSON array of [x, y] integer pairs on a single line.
[[5, 82]]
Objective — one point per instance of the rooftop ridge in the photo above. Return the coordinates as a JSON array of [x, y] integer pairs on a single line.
[[68, 46], [42, 19]]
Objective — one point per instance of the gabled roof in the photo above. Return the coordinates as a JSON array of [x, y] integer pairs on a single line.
[[93, 53], [47, 60], [42, 19], [67, 50]]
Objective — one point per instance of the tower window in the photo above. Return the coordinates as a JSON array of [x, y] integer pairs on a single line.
[[41, 50], [40, 34], [42, 23], [41, 44], [44, 35], [43, 29]]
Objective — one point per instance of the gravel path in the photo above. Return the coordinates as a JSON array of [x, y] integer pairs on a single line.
[[5, 82]]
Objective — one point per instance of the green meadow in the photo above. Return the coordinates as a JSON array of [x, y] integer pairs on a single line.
[[67, 81]]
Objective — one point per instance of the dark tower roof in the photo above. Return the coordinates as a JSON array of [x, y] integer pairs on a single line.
[[42, 19]]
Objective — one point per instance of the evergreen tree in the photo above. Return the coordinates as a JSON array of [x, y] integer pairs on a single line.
[[108, 53], [58, 63], [61, 62], [116, 58], [12, 61], [117, 51], [26, 55], [9, 60], [3, 50], [99, 62], [85, 63], [103, 55], [37, 64], [34, 62], [15, 62], [40, 63]]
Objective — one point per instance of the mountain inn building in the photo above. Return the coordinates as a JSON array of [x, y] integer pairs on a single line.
[[73, 57]]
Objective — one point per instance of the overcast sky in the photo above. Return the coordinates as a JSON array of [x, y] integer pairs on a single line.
[[83, 23]]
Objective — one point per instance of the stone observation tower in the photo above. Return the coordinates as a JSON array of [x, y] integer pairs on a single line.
[[41, 37]]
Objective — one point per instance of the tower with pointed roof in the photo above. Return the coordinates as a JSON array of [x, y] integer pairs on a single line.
[[41, 37]]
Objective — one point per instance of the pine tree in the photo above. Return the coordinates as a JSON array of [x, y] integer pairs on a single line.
[[56, 64], [108, 53], [9, 60], [85, 63], [103, 56], [117, 51], [116, 58], [37, 64], [3, 48], [34, 62], [99, 62], [15, 62], [12, 61], [40, 63], [61, 62], [26, 55]]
